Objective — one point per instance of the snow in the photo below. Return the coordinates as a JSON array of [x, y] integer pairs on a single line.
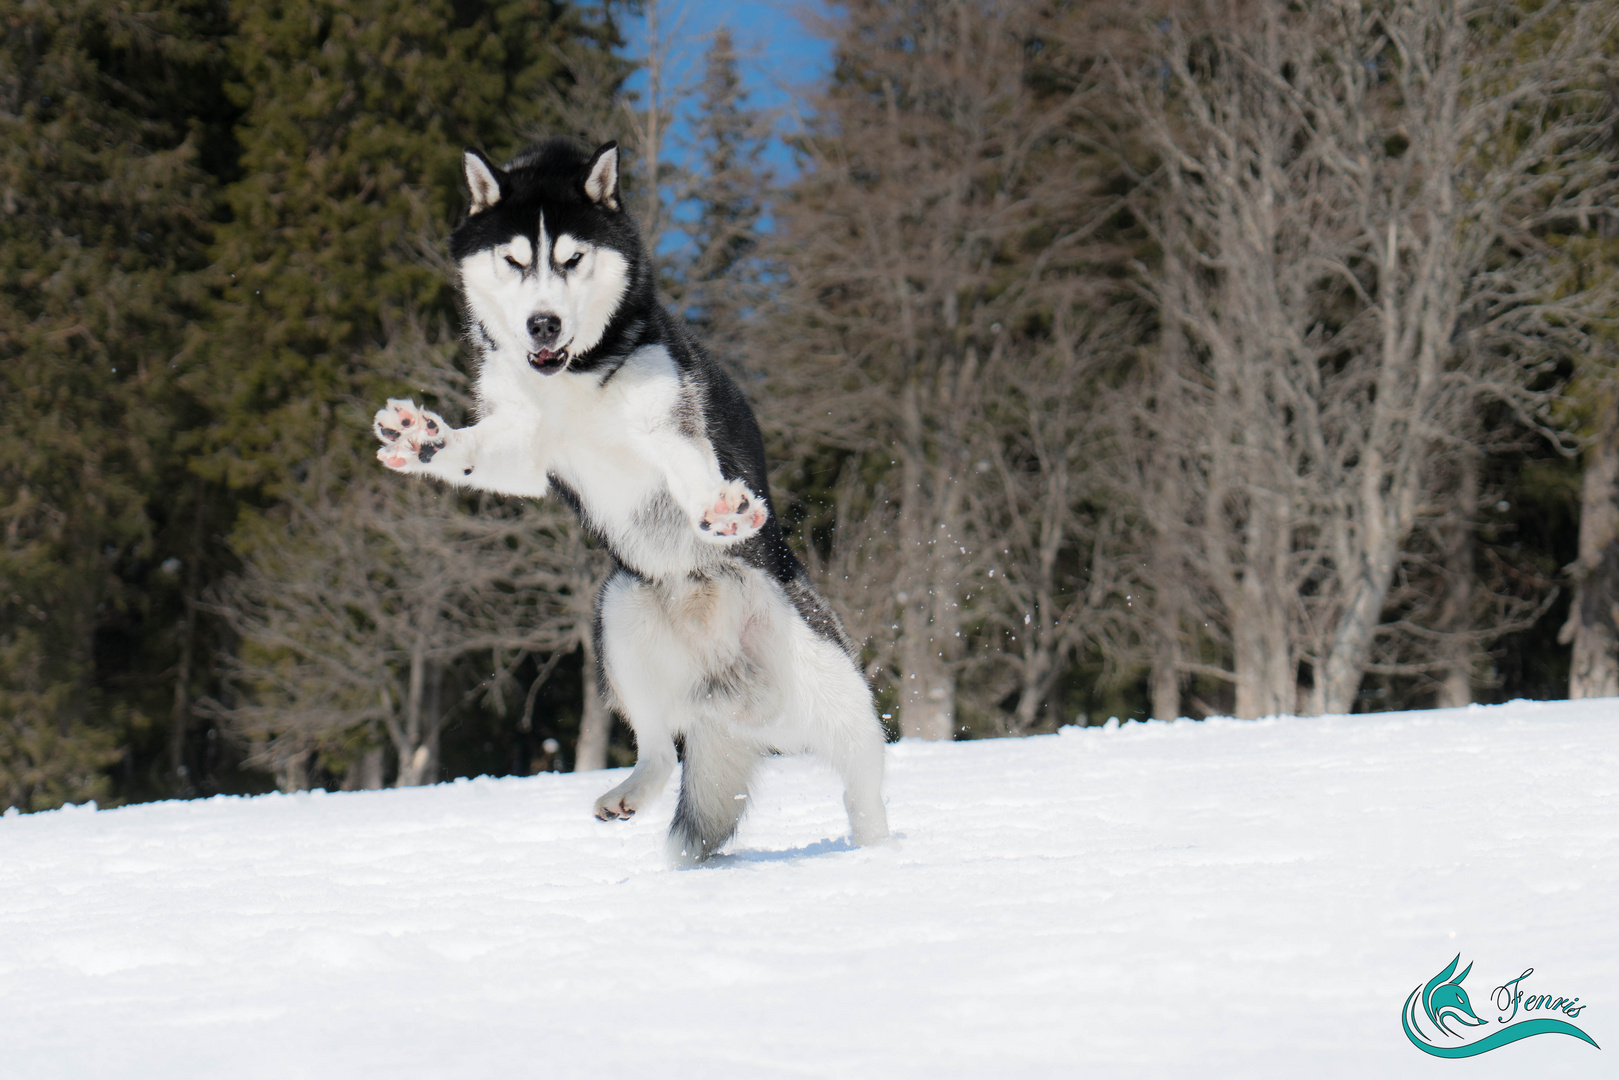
[[1213, 899]]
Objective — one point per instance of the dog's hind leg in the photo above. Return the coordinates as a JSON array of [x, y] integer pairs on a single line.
[[857, 755], [714, 780], [858, 759], [843, 731]]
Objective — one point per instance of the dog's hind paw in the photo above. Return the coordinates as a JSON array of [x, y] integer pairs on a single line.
[[734, 515], [410, 436]]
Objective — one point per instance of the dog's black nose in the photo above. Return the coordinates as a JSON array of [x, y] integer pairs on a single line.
[[544, 329]]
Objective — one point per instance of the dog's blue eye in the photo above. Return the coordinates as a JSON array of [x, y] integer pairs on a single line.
[[578, 257]]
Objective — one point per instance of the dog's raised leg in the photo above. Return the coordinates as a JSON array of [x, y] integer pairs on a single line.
[[411, 436], [494, 454]]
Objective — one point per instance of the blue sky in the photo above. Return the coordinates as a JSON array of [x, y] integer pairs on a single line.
[[780, 57]]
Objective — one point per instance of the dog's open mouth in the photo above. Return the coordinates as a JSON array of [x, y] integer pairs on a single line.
[[547, 362]]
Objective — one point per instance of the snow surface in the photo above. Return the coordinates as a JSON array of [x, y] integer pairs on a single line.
[[1193, 899]]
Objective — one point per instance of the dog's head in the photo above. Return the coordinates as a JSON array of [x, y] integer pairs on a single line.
[[548, 254]]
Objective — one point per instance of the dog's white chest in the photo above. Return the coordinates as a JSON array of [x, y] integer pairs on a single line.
[[620, 449]]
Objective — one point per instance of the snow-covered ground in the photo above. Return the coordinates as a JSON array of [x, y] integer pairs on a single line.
[[1218, 899]]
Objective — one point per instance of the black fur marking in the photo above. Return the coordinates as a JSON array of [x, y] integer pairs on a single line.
[[818, 614], [570, 498], [604, 686], [548, 179], [688, 413]]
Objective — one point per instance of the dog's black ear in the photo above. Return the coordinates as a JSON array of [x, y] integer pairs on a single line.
[[601, 178], [483, 180]]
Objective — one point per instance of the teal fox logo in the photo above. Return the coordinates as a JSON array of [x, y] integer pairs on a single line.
[[1444, 1002], [1443, 999]]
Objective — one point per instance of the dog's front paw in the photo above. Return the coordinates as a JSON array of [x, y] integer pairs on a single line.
[[734, 515], [410, 436]]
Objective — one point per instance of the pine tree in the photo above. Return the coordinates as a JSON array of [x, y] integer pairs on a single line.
[[106, 117], [355, 116], [723, 278]]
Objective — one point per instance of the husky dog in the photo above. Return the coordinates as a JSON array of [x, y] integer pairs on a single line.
[[708, 629]]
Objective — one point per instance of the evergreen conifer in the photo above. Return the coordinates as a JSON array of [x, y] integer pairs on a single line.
[[105, 198]]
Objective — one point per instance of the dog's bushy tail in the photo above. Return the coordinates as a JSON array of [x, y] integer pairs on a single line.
[[714, 777]]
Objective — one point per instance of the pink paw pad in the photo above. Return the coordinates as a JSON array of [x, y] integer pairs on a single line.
[[407, 433], [735, 514]]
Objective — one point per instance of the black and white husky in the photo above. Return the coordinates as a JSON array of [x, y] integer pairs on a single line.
[[708, 630]]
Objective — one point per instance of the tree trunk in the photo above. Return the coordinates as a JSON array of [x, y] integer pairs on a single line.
[[1038, 669], [418, 750], [1261, 656], [1345, 665], [1164, 683], [927, 706], [1593, 619], [371, 766], [188, 646], [293, 775], [181, 718], [1388, 478], [595, 721], [1456, 614], [1262, 652]]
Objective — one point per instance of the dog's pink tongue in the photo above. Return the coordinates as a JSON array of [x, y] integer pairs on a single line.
[[548, 361]]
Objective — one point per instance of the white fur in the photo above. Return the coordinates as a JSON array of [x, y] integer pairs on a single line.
[[697, 644], [663, 641], [517, 251], [619, 446], [481, 182], [602, 183], [585, 296]]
